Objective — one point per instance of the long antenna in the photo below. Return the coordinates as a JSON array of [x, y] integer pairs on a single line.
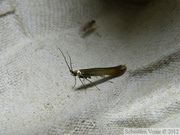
[[70, 67], [70, 60]]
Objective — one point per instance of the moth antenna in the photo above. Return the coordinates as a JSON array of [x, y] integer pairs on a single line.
[[70, 60], [65, 59]]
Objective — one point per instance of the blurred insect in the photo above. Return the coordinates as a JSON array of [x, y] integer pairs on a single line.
[[88, 28], [87, 73]]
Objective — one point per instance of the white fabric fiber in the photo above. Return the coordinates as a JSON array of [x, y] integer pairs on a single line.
[[36, 94]]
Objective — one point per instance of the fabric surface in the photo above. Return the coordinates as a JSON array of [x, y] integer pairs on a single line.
[[36, 95]]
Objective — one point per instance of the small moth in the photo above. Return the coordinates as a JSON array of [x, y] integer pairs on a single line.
[[88, 73], [87, 29]]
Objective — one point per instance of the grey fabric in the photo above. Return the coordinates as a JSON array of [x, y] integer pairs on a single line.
[[36, 95]]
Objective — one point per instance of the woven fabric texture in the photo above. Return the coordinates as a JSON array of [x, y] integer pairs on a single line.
[[36, 94]]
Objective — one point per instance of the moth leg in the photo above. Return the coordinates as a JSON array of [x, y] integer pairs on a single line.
[[84, 80], [92, 82], [74, 83], [81, 81], [97, 34], [95, 28]]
